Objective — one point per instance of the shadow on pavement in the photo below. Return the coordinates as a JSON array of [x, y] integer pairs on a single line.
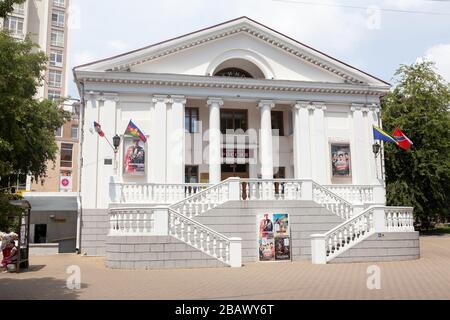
[[37, 289]]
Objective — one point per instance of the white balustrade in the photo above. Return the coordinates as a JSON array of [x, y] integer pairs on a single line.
[[134, 193], [353, 193], [131, 221], [399, 219], [208, 199], [210, 242], [265, 189], [325, 247], [332, 202]]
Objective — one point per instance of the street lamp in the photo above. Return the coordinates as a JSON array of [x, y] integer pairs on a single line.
[[376, 149], [116, 143]]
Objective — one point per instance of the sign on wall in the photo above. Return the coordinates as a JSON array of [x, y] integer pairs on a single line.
[[274, 237], [341, 161], [134, 156], [65, 181]]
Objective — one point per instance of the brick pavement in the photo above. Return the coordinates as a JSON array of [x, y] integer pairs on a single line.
[[427, 278]]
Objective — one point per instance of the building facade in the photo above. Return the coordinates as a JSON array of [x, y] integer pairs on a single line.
[[239, 121]]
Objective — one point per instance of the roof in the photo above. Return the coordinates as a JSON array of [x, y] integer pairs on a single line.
[[324, 60]]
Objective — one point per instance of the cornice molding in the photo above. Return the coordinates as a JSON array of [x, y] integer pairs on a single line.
[[167, 80]]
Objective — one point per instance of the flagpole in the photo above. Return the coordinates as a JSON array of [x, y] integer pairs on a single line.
[[110, 144]]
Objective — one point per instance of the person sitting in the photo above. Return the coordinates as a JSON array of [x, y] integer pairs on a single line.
[[10, 254]]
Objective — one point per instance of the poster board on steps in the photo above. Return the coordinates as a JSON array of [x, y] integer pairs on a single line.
[[274, 237]]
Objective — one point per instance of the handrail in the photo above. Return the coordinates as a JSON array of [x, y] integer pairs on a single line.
[[355, 217], [348, 209], [199, 225], [201, 192], [329, 245]]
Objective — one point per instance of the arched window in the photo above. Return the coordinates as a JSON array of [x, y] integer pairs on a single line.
[[233, 73]]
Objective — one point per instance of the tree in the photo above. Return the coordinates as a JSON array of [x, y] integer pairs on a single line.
[[6, 6], [27, 125], [420, 178]]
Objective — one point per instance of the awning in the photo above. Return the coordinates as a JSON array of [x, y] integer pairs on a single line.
[[51, 201]]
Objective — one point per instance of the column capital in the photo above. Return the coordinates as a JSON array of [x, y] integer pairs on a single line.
[[159, 98], [365, 109], [215, 101], [108, 96], [266, 104], [319, 106], [374, 107], [302, 105], [356, 107], [179, 99]]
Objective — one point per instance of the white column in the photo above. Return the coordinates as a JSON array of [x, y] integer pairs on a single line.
[[320, 145], [175, 140], [105, 173], [358, 150], [302, 142], [215, 156], [374, 111], [370, 176], [158, 150], [265, 141]]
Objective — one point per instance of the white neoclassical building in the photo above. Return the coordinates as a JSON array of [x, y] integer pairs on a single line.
[[239, 124]]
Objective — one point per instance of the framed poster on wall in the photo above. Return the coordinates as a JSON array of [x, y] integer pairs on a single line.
[[274, 237], [134, 156], [341, 162]]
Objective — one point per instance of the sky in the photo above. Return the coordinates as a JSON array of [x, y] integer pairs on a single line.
[[373, 35]]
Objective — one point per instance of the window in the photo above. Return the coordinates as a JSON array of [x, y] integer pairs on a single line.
[[40, 233], [191, 174], [233, 120], [191, 119], [14, 25], [277, 123], [54, 95], [59, 3], [55, 78], [58, 132], [233, 73], [56, 58], [66, 155], [57, 38], [58, 19], [19, 8], [74, 132]]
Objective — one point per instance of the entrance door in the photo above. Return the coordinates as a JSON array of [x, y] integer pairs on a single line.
[[235, 171]]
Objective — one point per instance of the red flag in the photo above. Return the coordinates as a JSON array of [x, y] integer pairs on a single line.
[[98, 129], [403, 141]]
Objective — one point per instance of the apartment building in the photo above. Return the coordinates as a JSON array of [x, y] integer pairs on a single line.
[[46, 21], [53, 199]]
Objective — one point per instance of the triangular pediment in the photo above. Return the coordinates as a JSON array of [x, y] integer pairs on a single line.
[[201, 53]]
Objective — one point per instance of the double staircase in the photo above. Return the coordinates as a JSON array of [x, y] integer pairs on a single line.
[[170, 210]]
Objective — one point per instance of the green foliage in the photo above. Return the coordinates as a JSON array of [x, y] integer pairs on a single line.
[[420, 177], [27, 132], [27, 125], [6, 6], [8, 212]]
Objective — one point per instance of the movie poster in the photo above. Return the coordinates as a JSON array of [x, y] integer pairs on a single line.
[[341, 161], [134, 157], [274, 237]]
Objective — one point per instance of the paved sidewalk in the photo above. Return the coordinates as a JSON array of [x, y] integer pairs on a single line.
[[427, 278]]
